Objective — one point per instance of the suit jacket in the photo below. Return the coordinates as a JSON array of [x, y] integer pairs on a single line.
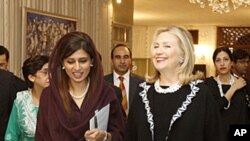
[[134, 81], [9, 86], [118, 92]]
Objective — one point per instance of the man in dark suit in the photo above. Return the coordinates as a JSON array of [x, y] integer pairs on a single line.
[[4, 58], [241, 60], [9, 86], [121, 57]]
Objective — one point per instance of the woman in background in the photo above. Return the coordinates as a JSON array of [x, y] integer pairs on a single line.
[[76, 93], [176, 106], [23, 118], [228, 91]]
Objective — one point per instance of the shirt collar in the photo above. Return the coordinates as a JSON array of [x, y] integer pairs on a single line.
[[126, 75]]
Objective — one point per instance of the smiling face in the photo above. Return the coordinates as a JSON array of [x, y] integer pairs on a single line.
[[165, 51], [77, 66], [223, 63]]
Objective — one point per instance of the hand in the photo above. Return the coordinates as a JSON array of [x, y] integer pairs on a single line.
[[239, 83], [95, 135]]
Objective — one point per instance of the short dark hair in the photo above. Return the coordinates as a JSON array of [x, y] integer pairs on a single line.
[[220, 49], [32, 65], [4, 51], [120, 45], [239, 54]]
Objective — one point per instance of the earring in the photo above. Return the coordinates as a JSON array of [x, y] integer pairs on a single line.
[[63, 67], [91, 65], [181, 61]]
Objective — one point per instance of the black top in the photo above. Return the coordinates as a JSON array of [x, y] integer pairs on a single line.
[[9, 86], [197, 120], [237, 112]]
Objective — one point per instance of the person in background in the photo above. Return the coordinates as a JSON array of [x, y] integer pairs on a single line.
[[121, 57], [228, 91], [174, 105], [9, 86], [241, 60], [118, 91], [4, 58], [76, 93], [23, 117]]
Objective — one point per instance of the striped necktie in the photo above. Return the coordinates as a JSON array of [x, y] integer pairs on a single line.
[[124, 95]]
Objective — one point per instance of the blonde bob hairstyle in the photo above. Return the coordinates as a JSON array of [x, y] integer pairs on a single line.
[[185, 71]]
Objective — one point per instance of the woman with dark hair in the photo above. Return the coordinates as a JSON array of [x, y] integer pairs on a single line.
[[77, 90], [23, 118], [228, 90]]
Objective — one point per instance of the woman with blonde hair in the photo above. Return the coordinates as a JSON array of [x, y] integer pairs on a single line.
[[174, 105]]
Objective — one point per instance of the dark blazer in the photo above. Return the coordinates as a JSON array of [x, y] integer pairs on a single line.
[[134, 81], [9, 86], [118, 92]]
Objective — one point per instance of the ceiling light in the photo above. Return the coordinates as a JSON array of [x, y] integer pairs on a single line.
[[118, 1], [222, 6]]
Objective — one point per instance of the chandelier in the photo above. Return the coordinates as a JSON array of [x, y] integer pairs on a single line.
[[222, 6]]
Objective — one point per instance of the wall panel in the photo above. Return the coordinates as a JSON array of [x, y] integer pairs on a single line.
[[94, 18]]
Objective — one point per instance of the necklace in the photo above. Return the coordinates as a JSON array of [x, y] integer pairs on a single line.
[[171, 89], [83, 94], [231, 81]]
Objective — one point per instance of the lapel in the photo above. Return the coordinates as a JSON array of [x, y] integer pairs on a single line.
[[132, 87], [110, 78]]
